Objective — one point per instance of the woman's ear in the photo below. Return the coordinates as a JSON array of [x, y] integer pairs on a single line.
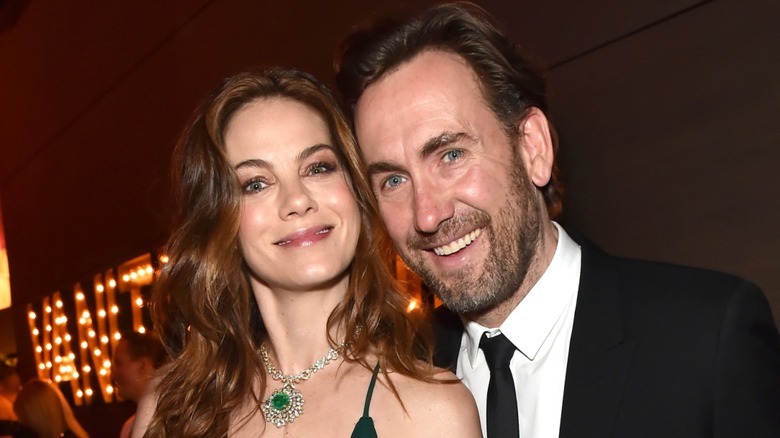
[[536, 147]]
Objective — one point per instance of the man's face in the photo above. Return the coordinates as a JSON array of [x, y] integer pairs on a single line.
[[452, 186], [130, 376]]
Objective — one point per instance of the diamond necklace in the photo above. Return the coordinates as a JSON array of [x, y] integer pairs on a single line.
[[285, 404]]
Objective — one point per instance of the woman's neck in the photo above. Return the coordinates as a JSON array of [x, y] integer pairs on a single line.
[[296, 322]]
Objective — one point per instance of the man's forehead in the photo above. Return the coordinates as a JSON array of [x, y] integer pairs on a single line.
[[420, 100], [402, 136], [430, 67]]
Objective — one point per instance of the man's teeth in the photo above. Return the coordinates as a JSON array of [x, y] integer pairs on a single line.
[[457, 245]]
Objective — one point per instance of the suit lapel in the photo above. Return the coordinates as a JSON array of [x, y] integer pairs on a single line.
[[447, 334], [599, 357]]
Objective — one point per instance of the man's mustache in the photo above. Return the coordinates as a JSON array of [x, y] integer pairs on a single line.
[[448, 230]]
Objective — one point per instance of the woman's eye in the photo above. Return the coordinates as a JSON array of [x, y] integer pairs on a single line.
[[453, 155], [321, 168], [394, 181], [255, 185]]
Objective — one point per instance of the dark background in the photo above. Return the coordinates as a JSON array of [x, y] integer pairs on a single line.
[[666, 110]]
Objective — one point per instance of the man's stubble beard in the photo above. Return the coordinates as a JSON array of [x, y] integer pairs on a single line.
[[514, 238]]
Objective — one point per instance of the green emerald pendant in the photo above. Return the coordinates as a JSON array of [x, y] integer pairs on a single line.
[[283, 406], [280, 401]]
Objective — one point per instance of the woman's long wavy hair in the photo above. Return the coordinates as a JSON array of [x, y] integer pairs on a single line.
[[202, 304]]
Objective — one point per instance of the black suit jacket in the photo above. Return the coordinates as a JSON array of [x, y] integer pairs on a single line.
[[660, 351]]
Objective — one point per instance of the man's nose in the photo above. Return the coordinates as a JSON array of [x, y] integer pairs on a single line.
[[432, 206]]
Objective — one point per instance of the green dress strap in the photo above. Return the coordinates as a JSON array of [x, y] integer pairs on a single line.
[[365, 426]]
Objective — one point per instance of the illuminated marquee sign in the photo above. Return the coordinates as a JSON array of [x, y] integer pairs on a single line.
[[82, 356]]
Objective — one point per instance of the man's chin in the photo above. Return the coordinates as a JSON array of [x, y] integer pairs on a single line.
[[467, 305]]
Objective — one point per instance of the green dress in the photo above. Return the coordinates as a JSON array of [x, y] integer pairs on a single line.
[[365, 426]]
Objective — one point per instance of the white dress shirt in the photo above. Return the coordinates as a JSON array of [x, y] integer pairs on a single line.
[[540, 327]]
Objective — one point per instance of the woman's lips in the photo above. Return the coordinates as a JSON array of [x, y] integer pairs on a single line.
[[305, 237]]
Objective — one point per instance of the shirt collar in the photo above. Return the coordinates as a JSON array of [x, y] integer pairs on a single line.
[[529, 324]]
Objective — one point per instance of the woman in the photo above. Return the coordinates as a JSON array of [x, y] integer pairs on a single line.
[[276, 305], [41, 408]]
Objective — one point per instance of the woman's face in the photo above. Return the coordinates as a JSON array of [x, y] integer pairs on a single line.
[[300, 222]]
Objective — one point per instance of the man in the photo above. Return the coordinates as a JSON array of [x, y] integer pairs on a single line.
[[452, 127], [136, 358]]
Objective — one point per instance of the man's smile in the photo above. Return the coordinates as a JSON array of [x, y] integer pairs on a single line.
[[457, 245]]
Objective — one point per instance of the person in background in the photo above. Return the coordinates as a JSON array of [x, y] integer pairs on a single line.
[[277, 305], [10, 384], [553, 336], [136, 358], [42, 408]]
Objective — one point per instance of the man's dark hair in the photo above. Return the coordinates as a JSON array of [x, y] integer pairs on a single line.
[[140, 345], [510, 85]]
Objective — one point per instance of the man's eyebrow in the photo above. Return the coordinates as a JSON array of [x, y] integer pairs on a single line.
[[383, 167], [440, 141], [430, 147]]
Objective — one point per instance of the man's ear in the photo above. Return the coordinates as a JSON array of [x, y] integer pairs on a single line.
[[147, 366], [536, 147]]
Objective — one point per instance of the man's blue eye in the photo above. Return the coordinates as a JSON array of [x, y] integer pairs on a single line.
[[453, 155], [394, 181]]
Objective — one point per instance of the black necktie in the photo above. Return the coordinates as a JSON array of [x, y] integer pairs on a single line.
[[502, 419]]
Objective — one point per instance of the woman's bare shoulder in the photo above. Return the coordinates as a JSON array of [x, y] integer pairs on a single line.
[[444, 407]]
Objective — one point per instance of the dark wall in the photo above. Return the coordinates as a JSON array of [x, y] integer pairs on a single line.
[[670, 144], [665, 110], [7, 332]]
